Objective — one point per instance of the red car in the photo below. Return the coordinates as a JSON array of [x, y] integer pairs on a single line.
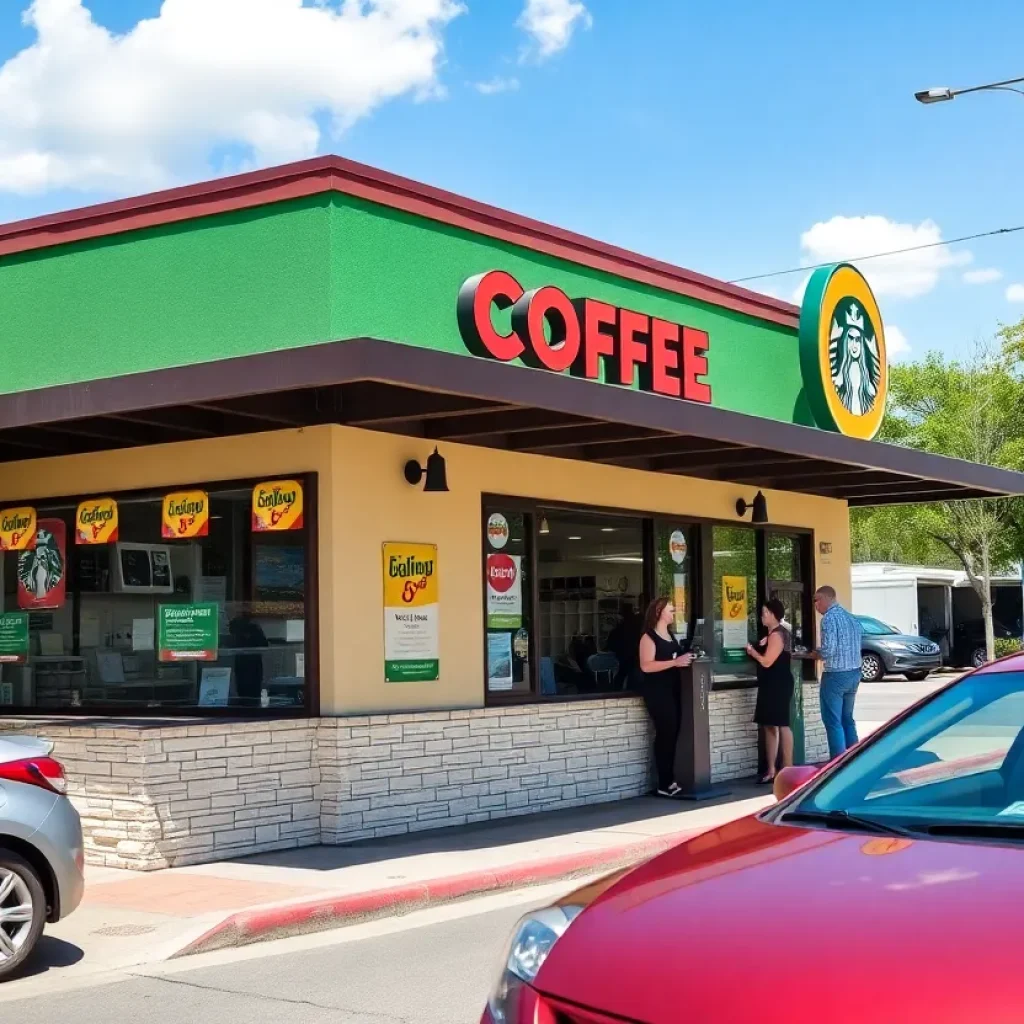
[[889, 886]]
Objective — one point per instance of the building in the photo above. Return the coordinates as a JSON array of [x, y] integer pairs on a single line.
[[253, 607], [938, 603]]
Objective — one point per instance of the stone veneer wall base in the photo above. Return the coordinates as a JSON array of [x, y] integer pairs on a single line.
[[155, 795]]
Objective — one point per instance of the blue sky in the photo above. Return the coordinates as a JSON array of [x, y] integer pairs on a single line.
[[721, 137]]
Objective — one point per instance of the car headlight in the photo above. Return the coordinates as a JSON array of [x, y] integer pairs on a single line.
[[892, 646], [532, 941]]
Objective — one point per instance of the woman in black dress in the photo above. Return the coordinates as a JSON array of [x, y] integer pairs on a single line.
[[659, 659], [774, 686]]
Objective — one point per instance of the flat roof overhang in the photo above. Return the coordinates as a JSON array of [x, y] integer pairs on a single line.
[[440, 397]]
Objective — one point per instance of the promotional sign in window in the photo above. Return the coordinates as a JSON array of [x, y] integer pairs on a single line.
[[187, 632], [734, 617], [411, 644], [13, 637], [42, 572], [96, 522], [497, 530], [504, 591], [185, 514], [18, 529], [277, 505]]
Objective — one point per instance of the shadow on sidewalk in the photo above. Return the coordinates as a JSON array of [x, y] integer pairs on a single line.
[[628, 819]]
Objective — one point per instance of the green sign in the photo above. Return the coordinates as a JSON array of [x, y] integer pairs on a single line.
[[13, 637], [187, 632]]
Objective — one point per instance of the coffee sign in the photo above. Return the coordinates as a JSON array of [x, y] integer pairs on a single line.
[[504, 591], [589, 338], [96, 522], [186, 514], [277, 506], [18, 529]]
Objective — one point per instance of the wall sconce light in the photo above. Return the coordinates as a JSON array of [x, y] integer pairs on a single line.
[[759, 505], [435, 471], [544, 528]]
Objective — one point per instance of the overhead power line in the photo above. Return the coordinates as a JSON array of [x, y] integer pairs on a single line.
[[878, 255]]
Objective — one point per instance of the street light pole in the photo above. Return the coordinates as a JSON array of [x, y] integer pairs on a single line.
[[942, 94]]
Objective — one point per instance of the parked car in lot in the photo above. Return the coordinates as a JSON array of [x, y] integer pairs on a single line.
[[41, 850], [969, 649], [896, 876], [887, 651]]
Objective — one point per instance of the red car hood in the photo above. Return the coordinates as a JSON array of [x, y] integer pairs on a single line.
[[761, 922]]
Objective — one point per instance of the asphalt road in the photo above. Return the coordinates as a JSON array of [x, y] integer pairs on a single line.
[[424, 969], [878, 702]]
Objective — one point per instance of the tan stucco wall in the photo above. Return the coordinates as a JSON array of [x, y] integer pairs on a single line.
[[365, 501]]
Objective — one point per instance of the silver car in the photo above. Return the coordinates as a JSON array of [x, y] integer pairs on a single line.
[[41, 851]]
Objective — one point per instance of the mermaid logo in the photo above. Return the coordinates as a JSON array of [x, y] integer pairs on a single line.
[[842, 352]]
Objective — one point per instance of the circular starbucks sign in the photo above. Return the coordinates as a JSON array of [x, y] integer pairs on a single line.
[[497, 530], [843, 357], [677, 546]]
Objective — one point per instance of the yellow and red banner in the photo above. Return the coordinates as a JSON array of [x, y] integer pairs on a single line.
[[18, 529], [186, 514], [277, 505], [96, 522]]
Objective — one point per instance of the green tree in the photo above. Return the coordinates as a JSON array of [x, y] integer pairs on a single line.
[[967, 409]]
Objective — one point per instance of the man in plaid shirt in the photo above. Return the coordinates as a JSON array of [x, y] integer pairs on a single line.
[[841, 637]]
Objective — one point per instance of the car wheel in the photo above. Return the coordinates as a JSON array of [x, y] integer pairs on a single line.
[[979, 656], [22, 912], [871, 668], [916, 677]]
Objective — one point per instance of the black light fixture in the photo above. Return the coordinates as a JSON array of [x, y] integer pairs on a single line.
[[435, 471], [759, 505]]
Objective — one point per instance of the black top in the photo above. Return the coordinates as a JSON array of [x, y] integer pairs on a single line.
[[666, 650], [775, 686]]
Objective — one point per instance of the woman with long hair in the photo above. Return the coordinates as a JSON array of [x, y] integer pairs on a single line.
[[659, 659], [774, 686]]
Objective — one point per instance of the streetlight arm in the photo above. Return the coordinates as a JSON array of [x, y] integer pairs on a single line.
[[942, 95]]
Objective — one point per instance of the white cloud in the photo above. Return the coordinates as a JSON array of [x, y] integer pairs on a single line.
[[907, 275], [551, 23], [496, 85], [896, 343], [1015, 293], [84, 108], [982, 276]]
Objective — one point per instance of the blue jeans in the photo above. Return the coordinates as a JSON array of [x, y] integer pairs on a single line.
[[838, 692]]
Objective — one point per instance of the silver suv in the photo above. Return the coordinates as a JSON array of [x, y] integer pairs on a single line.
[[41, 851]]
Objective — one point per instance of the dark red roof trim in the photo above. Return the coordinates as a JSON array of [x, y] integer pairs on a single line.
[[332, 173]]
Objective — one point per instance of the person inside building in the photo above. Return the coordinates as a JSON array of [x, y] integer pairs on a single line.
[[624, 640], [774, 686], [659, 657]]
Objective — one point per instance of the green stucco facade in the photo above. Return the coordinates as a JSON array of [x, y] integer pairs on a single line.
[[308, 271]]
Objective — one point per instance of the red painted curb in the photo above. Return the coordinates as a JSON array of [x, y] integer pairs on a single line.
[[278, 920]]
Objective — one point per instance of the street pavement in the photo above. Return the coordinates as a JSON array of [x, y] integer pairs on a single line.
[[110, 960], [435, 967]]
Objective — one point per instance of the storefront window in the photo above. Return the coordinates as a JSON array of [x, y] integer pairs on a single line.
[[734, 596], [673, 544], [786, 580], [207, 613], [508, 584], [590, 571]]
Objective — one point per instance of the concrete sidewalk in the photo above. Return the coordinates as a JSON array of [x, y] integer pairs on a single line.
[[130, 918]]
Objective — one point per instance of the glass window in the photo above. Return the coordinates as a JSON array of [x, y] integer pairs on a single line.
[[734, 598], [590, 577], [673, 545], [508, 585], [786, 580], [958, 760], [146, 621]]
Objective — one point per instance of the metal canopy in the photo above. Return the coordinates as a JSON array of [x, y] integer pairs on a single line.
[[441, 397]]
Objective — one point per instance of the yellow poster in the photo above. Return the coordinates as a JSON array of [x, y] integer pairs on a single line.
[[186, 514], [18, 529], [734, 612], [277, 505], [96, 522], [679, 600], [411, 648]]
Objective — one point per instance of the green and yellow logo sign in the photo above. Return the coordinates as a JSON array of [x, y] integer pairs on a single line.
[[842, 352]]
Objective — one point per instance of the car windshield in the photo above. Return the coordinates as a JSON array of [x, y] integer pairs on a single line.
[[874, 627], [955, 766]]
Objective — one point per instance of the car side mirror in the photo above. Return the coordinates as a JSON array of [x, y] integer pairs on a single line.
[[791, 779]]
